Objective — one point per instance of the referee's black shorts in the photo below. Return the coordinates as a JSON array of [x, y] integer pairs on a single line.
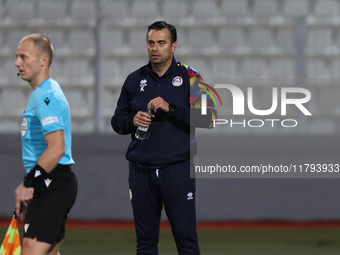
[[47, 211]]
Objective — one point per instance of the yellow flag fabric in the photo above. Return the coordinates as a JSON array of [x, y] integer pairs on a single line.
[[11, 244]]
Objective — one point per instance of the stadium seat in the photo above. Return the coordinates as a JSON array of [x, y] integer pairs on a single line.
[[234, 8], [83, 10], [80, 101], [83, 125], [282, 68], [58, 39], [112, 73], [5, 72], [295, 8], [320, 40], [114, 41], [285, 40], [204, 9], [82, 41], [79, 72], [243, 44], [110, 103], [53, 10], [144, 9], [183, 46], [335, 69], [14, 37], [137, 41], [326, 8], [231, 39], [12, 102], [173, 10], [260, 39], [2, 9], [22, 11], [317, 69], [58, 72], [115, 10], [2, 40], [327, 100], [265, 8], [253, 68], [130, 65], [224, 68], [200, 39]]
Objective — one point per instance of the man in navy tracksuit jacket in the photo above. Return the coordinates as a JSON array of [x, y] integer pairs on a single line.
[[160, 165]]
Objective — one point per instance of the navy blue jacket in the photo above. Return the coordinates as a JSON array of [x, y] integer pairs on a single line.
[[169, 138]]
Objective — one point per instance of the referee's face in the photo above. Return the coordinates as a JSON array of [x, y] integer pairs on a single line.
[[160, 48], [28, 61]]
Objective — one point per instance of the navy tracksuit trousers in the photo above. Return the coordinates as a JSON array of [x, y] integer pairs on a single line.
[[172, 187]]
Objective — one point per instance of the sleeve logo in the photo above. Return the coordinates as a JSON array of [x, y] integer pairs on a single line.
[[49, 120]]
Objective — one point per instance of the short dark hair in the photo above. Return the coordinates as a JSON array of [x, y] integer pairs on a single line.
[[159, 25]]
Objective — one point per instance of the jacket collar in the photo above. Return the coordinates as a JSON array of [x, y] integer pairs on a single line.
[[170, 70]]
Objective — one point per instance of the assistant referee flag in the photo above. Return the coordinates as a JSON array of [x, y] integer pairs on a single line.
[[11, 244]]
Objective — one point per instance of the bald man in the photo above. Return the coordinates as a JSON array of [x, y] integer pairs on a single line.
[[49, 188]]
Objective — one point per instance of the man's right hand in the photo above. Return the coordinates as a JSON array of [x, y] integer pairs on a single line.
[[22, 197], [142, 119]]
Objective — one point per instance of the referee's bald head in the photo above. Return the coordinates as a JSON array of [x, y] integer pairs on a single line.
[[42, 44]]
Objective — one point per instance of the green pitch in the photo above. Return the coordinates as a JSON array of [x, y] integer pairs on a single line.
[[219, 242]]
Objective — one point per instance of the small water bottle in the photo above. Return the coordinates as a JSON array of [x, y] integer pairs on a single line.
[[142, 131]]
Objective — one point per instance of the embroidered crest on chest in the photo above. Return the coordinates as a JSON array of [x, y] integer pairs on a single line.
[[142, 84]]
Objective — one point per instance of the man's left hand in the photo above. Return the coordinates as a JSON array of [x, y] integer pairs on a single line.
[[159, 103], [22, 197]]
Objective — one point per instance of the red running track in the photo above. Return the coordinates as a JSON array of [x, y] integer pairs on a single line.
[[237, 225]]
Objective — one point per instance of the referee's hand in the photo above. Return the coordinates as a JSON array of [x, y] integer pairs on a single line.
[[22, 197]]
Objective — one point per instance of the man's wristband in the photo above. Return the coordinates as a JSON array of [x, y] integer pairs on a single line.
[[35, 176]]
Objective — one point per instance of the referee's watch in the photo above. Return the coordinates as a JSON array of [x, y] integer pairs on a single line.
[[172, 109]]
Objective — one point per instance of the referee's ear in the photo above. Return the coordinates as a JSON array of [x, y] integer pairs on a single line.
[[44, 60]]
